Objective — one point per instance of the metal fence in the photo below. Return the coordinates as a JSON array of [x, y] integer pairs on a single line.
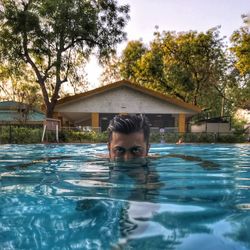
[[33, 133], [20, 133]]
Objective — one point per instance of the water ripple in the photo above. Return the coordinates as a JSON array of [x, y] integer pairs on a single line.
[[65, 197]]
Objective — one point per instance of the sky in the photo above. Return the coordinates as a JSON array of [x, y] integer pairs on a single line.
[[175, 15]]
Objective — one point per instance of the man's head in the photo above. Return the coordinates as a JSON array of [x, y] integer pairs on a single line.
[[128, 137]]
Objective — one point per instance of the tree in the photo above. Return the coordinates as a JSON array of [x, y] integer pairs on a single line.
[[193, 63], [77, 77], [191, 66], [130, 58], [48, 34], [125, 66], [148, 68], [111, 71], [241, 52], [241, 47], [19, 85]]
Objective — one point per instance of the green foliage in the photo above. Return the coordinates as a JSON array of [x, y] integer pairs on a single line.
[[192, 66], [241, 51], [241, 48], [196, 67], [231, 138], [49, 34], [26, 135], [20, 135], [20, 86], [205, 137], [238, 125], [157, 137], [88, 137], [198, 137], [130, 58], [111, 71]]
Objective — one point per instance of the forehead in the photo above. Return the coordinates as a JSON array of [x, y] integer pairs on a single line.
[[132, 139]]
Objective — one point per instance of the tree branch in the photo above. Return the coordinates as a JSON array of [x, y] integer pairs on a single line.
[[77, 40], [33, 65]]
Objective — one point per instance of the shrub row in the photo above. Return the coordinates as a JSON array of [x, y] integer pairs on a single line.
[[20, 135], [24, 135], [85, 137], [199, 137]]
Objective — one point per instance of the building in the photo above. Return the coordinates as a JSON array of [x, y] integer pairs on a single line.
[[212, 125], [243, 114], [96, 107], [16, 113]]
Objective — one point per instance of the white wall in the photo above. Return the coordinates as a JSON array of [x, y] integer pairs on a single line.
[[198, 128], [218, 127], [122, 100], [211, 128]]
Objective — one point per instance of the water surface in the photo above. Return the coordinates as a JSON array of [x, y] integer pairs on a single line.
[[67, 197]]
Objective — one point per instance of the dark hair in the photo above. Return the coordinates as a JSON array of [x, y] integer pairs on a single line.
[[127, 124]]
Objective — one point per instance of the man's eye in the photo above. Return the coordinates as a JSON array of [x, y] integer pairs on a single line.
[[136, 150], [119, 150]]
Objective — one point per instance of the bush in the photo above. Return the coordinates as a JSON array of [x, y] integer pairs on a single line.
[[231, 138], [78, 136], [21, 134], [206, 137], [156, 137]]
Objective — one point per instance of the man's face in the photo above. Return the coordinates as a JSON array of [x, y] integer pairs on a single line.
[[127, 146]]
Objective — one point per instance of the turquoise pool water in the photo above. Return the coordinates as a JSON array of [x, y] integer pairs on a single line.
[[67, 197]]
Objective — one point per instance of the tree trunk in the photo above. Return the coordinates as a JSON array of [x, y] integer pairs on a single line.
[[222, 112], [49, 110]]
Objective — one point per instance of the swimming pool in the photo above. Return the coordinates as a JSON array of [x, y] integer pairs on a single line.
[[66, 197]]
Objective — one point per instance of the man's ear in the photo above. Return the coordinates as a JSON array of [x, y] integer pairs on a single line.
[[108, 145], [148, 147]]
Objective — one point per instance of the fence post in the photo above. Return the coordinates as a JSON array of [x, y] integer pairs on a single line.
[[215, 137], [10, 135]]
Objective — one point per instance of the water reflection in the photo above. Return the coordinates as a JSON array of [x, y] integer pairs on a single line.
[[134, 180]]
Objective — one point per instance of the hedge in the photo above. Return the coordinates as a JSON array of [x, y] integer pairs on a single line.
[[26, 135]]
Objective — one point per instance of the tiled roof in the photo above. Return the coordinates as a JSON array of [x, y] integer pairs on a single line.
[[9, 113], [10, 104]]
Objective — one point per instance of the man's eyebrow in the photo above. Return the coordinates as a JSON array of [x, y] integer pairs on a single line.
[[119, 147], [129, 147], [136, 147]]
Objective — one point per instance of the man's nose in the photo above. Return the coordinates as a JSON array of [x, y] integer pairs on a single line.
[[127, 156]]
